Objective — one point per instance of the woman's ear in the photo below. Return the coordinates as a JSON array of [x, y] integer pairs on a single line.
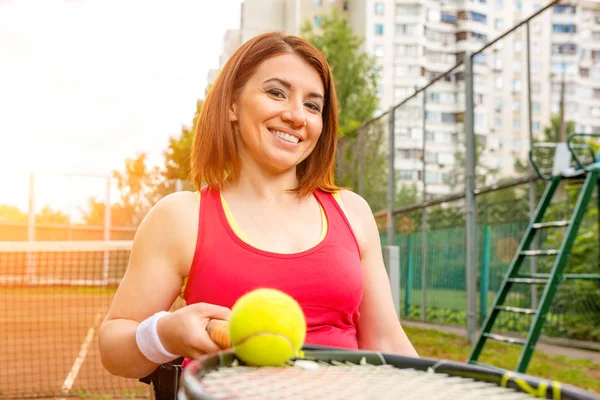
[[233, 113]]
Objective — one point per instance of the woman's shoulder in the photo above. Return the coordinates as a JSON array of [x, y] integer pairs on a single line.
[[171, 226], [354, 204], [358, 213]]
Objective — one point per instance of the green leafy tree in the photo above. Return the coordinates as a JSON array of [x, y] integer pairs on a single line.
[[49, 216], [10, 213]]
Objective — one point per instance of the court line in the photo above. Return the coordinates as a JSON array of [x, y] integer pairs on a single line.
[[68, 384]]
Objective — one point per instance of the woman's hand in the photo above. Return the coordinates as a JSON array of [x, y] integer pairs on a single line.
[[183, 332]]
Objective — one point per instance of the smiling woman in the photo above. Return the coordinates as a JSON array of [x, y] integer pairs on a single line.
[[266, 214]]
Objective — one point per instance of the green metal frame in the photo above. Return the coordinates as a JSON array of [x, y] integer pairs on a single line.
[[551, 281]]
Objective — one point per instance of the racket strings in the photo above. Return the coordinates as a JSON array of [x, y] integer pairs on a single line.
[[346, 380]]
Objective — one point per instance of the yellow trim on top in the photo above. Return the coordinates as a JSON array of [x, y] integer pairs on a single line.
[[236, 229]]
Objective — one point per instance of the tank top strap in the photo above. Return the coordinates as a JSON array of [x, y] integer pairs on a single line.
[[337, 221]]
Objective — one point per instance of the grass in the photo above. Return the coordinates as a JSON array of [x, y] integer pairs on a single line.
[[581, 373]]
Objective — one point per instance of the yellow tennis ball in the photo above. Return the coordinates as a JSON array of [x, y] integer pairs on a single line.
[[266, 327]]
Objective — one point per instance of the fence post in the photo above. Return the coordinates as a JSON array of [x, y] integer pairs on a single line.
[[31, 228], [391, 194], [392, 265], [470, 220], [409, 272], [532, 194], [424, 228], [484, 279], [107, 229]]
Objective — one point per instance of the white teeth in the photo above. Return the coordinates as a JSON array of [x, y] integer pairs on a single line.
[[285, 136]]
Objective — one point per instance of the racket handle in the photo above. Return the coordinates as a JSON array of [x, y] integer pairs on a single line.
[[218, 331]]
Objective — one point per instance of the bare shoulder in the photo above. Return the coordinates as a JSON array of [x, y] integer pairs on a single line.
[[359, 214], [172, 226]]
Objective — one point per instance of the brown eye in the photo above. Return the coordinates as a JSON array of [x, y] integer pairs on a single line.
[[313, 106], [276, 93]]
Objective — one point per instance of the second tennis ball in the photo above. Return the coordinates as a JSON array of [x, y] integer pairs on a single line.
[[267, 327]]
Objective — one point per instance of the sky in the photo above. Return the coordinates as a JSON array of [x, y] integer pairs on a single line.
[[84, 84]]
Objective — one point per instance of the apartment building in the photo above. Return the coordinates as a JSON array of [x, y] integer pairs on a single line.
[[415, 41]]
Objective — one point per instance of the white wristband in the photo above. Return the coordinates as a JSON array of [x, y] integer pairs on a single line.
[[148, 341]]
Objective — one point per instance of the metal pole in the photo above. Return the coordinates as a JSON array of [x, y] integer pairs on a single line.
[[392, 264], [532, 194], [409, 272], [471, 226], [360, 159], [31, 229], [391, 194], [424, 222], [107, 229]]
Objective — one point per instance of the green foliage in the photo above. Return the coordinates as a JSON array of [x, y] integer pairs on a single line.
[[12, 214]]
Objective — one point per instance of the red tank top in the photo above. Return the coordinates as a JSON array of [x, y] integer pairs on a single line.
[[326, 279]]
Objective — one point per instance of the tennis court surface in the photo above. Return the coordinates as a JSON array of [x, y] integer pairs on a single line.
[[53, 297]]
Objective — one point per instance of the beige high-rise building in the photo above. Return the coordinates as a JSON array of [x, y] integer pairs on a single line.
[[415, 41]]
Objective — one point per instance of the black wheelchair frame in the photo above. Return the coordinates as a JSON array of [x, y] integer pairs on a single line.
[[164, 381]]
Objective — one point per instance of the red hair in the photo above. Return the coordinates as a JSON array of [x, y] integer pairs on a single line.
[[214, 154]]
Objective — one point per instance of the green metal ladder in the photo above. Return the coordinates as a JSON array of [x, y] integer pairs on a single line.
[[550, 281]]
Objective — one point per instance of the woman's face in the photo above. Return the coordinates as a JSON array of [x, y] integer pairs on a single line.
[[278, 113]]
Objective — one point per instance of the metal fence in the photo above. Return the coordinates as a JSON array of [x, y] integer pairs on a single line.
[[444, 143]]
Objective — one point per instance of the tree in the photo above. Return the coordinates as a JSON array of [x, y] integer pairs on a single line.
[[137, 193], [177, 154], [552, 131], [12, 214], [49, 216]]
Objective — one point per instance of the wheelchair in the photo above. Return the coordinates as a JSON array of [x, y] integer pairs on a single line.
[[164, 381]]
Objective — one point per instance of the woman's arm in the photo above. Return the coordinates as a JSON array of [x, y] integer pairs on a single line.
[[378, 327], [162, 251]]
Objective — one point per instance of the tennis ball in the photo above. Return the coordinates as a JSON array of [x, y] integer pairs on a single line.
[[266, 327]]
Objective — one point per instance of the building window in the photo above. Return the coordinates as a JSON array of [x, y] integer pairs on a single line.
[[563, 9], [379, 8], [408, 10], [449, 18], [472, 16], [498, 103], [318, 3], [406, 29], [518, 5], [563, 28], [379, 29], [499, 4], [516, 85], [536, 107], [378, 50], [318, 21], [499, 23], [535, 126], [518, 46], [517, 124]]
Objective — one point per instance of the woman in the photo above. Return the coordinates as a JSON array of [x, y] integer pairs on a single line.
[[267, 215]]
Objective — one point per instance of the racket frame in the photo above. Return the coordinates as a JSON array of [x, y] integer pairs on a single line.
[[191, 387]]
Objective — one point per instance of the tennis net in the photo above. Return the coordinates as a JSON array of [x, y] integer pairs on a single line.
[[53, 297]]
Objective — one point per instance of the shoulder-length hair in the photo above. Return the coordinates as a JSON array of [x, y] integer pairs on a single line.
[[214, 154]]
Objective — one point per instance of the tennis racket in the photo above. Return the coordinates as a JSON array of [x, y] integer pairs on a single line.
[[346, 374]]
